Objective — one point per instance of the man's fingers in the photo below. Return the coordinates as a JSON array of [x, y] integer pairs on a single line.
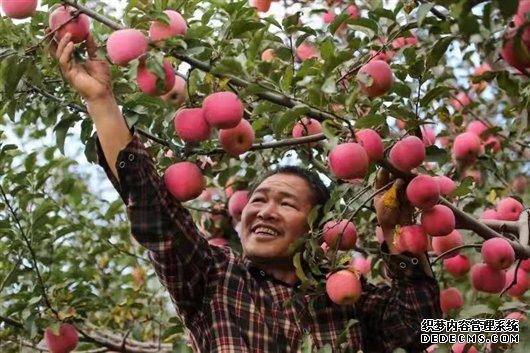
[[382, 178], [65, 60], [91, 46], [400, 188], [62, 44]]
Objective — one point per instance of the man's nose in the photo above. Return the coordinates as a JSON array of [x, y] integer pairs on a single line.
[[268, 210]]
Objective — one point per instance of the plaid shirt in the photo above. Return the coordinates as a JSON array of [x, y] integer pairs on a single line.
[[231, 306]]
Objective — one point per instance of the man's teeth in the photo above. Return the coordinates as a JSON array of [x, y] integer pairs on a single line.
[[264, 230]]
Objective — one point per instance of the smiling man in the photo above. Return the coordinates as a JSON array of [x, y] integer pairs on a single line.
[[242, 303]]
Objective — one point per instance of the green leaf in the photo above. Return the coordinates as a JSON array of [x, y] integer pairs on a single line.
[[365, 25], [337, 22], [297, 260], [507, 7], [423, 11], [240, 27], [401, 89], [61, 130], [435, 93], [370, 121], [287, 79], [476, 310], [438, 50], [229, 66]]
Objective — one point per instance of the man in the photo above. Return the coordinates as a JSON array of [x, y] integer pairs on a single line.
[[234, 303]]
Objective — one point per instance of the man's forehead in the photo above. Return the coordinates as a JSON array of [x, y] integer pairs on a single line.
[[284, 183]]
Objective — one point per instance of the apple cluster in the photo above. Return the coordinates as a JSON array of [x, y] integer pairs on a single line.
[[221, 110]]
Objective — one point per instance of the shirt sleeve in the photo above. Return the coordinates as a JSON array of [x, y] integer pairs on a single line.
[[181, 256], [392, 315]]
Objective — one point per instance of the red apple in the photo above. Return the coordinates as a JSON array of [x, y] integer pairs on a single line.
[[461, 100], [125, 45], [343, 287], [237, 140], [307, 51], [480, 86], [438, 221], [522, 284], [487, 279], [221, 242], [223, 110], [261, 5], [466, 147], [184, 181], [236, 203], [446, 184], [307, 127], [151, 84], [412, 239], [372, 143], [348, 161], [477, 127], [160, 30], [407, 153], [509, 209], [191, 126], [498, 253], [459, 348], [334, 229], [489, 214], [428, 136], [457, 266], [362, 264], [65, 342], [519, 183], [451, 299], [515, 316], [268, 55], [375, 78], [447, 242], [19, 8], [423, 192], [78, 27], [177, 95]]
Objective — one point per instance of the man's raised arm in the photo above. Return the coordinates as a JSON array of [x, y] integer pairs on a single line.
[[182, 258], [92, 81]]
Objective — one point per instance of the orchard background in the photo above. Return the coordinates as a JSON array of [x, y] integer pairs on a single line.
[[67, 255]]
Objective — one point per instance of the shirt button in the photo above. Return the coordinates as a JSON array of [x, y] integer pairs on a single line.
[[414, 261], [122, 164], [262, 273], [402, 265], [131, 157]]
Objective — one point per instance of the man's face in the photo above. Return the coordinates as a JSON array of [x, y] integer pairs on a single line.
[[275, 216]]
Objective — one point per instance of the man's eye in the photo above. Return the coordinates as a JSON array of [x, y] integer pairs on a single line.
[[257, 199], [288, 204]]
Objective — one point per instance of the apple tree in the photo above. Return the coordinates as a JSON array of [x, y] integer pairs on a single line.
[[436, 92]]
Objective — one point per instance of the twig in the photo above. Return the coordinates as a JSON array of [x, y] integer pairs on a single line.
[[514, 281], [444, 254]]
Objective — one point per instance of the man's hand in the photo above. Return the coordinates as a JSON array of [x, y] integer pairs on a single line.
[[91, 78], [392, 207]]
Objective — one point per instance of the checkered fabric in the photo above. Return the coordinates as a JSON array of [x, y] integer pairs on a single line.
[[231, 306]]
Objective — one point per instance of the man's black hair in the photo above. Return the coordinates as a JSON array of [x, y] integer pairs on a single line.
[[320, 191]]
